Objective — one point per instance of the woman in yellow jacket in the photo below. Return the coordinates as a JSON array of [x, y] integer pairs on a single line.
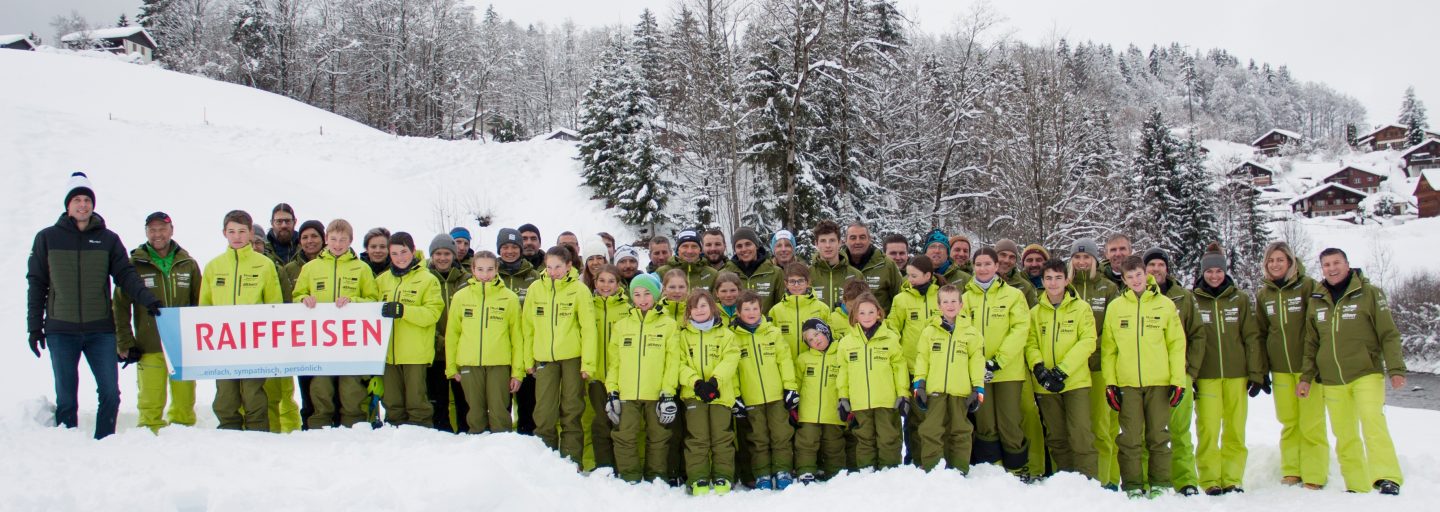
[[412, 297], [1233, 366], [949, 383], [675, 284], [611, 304], [561, 351], [872, 388], [1062, 338], [708, 358], [910, 313], [819, 438], [336, 276], [766, 374], [644, 362], [1002, 316], [1142, 352], [1282, 307], [483, 342]]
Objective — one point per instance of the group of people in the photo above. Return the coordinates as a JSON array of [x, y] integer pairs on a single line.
[[720, 364]]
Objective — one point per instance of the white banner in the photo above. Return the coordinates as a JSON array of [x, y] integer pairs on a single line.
[[274, 340]]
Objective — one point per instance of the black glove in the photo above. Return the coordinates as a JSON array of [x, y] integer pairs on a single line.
[[990, 368], [1257, 387], [612, 408], [132, 356], [921, 397], [392, 310], [1176, 393], [154, 308], [1055, 381], [1112, 397], [37, 341], [738, 410], [902, 405], [792, 400], [972, 403], [846, 415], [666, 410], [707, 390]]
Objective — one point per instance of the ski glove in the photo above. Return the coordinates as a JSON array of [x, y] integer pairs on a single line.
[[154, 308], [990, 368], [921, 397], [1260, 387], [392, 310], [612, 408], [666, 410], [1041, 376], [1176, 393], [738, 410], [972, 403], [1055, 381], [132, 357], [1112, 397], [792, 400], [37, 342], [902, 405], [846, 415], [707, 390]]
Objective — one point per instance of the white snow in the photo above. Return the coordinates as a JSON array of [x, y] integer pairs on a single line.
[[11, 38], [142, 135]]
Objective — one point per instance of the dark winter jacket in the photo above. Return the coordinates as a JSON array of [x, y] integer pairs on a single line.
[[69, 275], [281, 252], [1351, 337], [880, 273]]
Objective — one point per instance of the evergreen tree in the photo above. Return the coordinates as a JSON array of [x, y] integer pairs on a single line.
[[1153, 220], [602, 153], [1412, 117], [646, 55], [1194, 209], [123, 21]]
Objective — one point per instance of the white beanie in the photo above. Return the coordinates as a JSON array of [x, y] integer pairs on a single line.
[[626, 251], [78, 184], [594, 246]]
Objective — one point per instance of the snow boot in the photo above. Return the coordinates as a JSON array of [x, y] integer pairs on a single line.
[[1214, 491], [1388, 487], [1290, 481], [1188, 490], [783, 480], [720, 486], [807, 478], [1135, 493], [700, 488], [764, 483], [1156, 492]]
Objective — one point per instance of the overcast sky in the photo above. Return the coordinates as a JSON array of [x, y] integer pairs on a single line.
[[1371, 50]]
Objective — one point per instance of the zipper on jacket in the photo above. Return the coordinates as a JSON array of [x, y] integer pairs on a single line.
[[1139, 334], [640, 361], [819, 404], [236, 299], [1335, 331], [1282, 312], [484, 317], [400, 280], [1054, 336], [759, 365], [552, 320], [869, 363], [1219, 333], [949, 357]]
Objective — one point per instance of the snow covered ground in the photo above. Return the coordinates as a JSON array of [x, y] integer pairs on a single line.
[[154, 140]]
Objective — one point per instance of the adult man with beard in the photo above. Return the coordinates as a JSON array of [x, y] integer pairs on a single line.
[[880, 273]]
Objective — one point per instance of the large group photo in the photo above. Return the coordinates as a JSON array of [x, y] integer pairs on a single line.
[[393, 255]]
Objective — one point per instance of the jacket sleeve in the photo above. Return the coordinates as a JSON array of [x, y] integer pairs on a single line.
[[842, 381], [197, 281], [674, 353], [527, 329], [452, 342], [729, 364], [893, 319], [124, 333], [1175, 346], [900, 370], [38, 276], [515, 333], [431, 306], [271, 293], [1250, 335], [206, 294], [1195, 338], [1388, 335], [1311, 341], [612, 359], [786, 360], [1012, 348], [922, 353], [975, 345], [125, 276], [1077, 359], [301, 289], [369, 290], [287, 282], [589, 337], [1108, 350], [1032, 341], [689, 371]]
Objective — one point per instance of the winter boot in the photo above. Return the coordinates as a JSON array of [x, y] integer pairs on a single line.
[[1388, 487], [720, 486], [807, 478], [764, 483], [1188, 490], [783, 480], [700, 488]]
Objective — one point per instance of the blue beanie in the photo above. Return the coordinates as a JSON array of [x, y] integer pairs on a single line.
[[648, 281], [937, 236], [459, 233]]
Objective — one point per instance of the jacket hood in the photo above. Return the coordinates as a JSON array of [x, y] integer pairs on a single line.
[[97, 223]]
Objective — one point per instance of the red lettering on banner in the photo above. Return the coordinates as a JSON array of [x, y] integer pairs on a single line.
[[203, 332], [371, 331], [329, 327], [256, 333], [314, 334], [347, 329], [277, 331], [226, 337]]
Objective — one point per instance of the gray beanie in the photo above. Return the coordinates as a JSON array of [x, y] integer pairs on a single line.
[[507, 236], [1213, 258], [442, 241], [1087, 246]]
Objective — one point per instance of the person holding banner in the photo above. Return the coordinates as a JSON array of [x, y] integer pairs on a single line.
[[170, 273], [336, 276], [560, 351], [237, 277], [412, 297], [483, 342]]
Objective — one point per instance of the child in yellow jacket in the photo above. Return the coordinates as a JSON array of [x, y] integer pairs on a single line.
[[483, 343]]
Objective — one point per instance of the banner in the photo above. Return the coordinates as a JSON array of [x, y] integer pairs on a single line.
[[274, 340]]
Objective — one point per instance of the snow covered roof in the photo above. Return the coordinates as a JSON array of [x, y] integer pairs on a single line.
[[1256, 164], [1357, 167], [559, 133], [1286, 133], [1322, 188], [1417, 147], [109, 33], [13, 38], [1382, 127], [1432, 176]]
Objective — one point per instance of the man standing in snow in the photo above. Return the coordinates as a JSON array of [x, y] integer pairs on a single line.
[[1351, 332], [713, 243], [70, 269], [530, 249], [282, 242], [242, 276]]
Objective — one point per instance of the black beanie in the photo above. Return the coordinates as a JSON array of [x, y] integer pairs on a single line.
[[819, 325], [312, 224], [1156, 254], [529, 228]]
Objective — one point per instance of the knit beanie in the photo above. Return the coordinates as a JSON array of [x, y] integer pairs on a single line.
[[1087, 246], [819, 325], [781, 235], [507, 236], [937, 236], [459, 233], [1035, 248], [594, 246], [626, 251], [1214, 258], [648, 281], [1156, 253], [746, 233], [1007, 245], [442, 241], [79, 184], [312, 224], [687, 236]]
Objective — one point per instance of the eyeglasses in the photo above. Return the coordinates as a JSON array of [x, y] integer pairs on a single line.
[[282, 221], [797, 282]]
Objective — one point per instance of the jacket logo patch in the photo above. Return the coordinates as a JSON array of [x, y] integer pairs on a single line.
[[150, 281], [1125, 323], [1319, 315], [784, 329], [854, 357], [914, 315], [744, 353], [220, 281], [539, 310], [627, 342], [936, 347], [469, 313], [809, 371], [320, 286]]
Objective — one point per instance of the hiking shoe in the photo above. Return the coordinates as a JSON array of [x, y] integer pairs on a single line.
[[1313, 487], [807, 479], [1156, 493], [1135, 493], [1214, 491]]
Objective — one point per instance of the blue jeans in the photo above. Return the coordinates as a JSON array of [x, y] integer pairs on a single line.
[[99, 351]]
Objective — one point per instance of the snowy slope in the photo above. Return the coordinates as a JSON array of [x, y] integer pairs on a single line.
[[157, 153]]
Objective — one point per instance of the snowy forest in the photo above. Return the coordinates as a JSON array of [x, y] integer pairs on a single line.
[[779, 113]]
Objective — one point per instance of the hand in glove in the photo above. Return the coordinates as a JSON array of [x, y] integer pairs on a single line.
[[131, 356], [707, 390], [1112, 397], [154, 308], [792, 400], [1258, 387], [666, 409], [1176, 393], [921, 397], [846, 415], [392, 310], [990, 368], [1055, 382], [37, 342], [902, 405], [972, 403], [612, 408], [738, 410]]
